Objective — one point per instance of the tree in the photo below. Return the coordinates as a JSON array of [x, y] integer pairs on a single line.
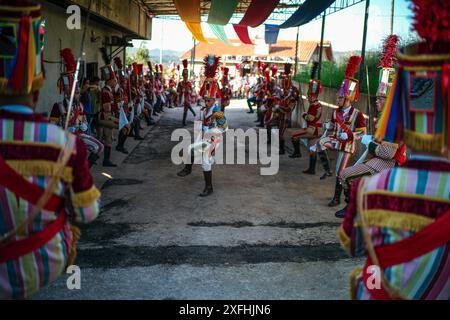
[[141, 56]]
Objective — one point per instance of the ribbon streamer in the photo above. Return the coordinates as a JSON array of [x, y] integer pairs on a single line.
[[258, 11], [219, 32], [306, 12], [271, 33], [242, 32], [221, 11], [189, 12]]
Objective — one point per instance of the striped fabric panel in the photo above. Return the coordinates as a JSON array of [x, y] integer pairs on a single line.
[[31, 132]]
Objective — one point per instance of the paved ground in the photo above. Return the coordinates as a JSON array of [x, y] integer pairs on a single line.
[[256, 237]]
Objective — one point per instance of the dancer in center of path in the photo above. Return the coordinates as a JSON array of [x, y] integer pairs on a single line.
[[348, 124], [185, 91], [313, 120], [214, 124]]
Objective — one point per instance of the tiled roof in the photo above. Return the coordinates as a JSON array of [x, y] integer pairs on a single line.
[[283, 48]]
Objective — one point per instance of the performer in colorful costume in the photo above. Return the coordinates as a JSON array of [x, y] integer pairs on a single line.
[[44, 169], [400, 218], [214, 124], [107, 119], [347, 124], [225, 91], [185, 91], [282, 110], [383, 154], [78, 123], [313, 117]]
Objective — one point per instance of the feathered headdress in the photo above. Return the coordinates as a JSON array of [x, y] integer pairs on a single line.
[[161, 68], [211, 62], [350, 86], [287, 69], [185, 71], [431, 21], [68, 60], [225, 73], [135, 69], [66, 78], [118, 63], [185, 63], [315, 85], [274, 70], [387, 62], [352, 66], [388, 54]]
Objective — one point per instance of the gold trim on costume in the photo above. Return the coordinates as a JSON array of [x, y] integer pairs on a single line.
[[407, 195], [344, 240], [423, 141], [39, 168], [86, 198], [423, 57], [396, 220]]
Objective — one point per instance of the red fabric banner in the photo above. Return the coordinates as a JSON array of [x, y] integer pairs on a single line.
[[242, 32], [258, 12]]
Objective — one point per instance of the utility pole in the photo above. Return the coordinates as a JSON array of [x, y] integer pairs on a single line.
[[321, 45], [296, 52], [363, 50], [161, 49], [392, 16]]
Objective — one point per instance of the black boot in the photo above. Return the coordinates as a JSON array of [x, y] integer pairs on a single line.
[[137, 135], [337, 194], [93, 157], [341, 213], [312, 164], [282, 150], [326, 164], [192, 110], [297, 153], [186, 170], [106, 157], [261, 121], [208, 184], [121, 143]]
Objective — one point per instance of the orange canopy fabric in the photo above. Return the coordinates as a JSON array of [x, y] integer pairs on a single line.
[[189, 11]]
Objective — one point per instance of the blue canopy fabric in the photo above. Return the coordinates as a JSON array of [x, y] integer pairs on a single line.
[[306, 12], [271, 33]]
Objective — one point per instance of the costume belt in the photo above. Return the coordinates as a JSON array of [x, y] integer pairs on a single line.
[[30, 192], [426, 240]]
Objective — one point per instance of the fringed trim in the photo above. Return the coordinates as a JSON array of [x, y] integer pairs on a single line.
[[396, 220], [39, 168], [418, 141], [76, 235], [86, 198], [38, 83], [352, 278], [344, 240]]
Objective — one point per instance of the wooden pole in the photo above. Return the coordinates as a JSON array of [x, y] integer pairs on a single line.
[[321, 45], [296, 52]]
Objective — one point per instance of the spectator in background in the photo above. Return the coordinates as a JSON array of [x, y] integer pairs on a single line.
[[86, 100]]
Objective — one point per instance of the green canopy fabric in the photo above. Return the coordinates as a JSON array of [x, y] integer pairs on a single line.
[[219, 32], [221, 11]]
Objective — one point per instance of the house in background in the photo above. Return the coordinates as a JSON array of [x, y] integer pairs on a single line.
[[242, 59]]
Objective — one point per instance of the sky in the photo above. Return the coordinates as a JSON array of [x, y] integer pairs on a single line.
[[344, 29]]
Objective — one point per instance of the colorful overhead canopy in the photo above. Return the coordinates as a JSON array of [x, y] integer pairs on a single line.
[[189, 12], [271, 33], [258, 12], [221, 11], [306, 12], [219, 32], [242, 33]]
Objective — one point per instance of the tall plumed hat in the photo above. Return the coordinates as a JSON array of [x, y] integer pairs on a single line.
[[417, 107], [185, 71], [387, 62], [107, 70], [22, 31], [287, 81], [119, 66], [350, 86], [225, 71], [65, 81], [315, 85], [210, 87]]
